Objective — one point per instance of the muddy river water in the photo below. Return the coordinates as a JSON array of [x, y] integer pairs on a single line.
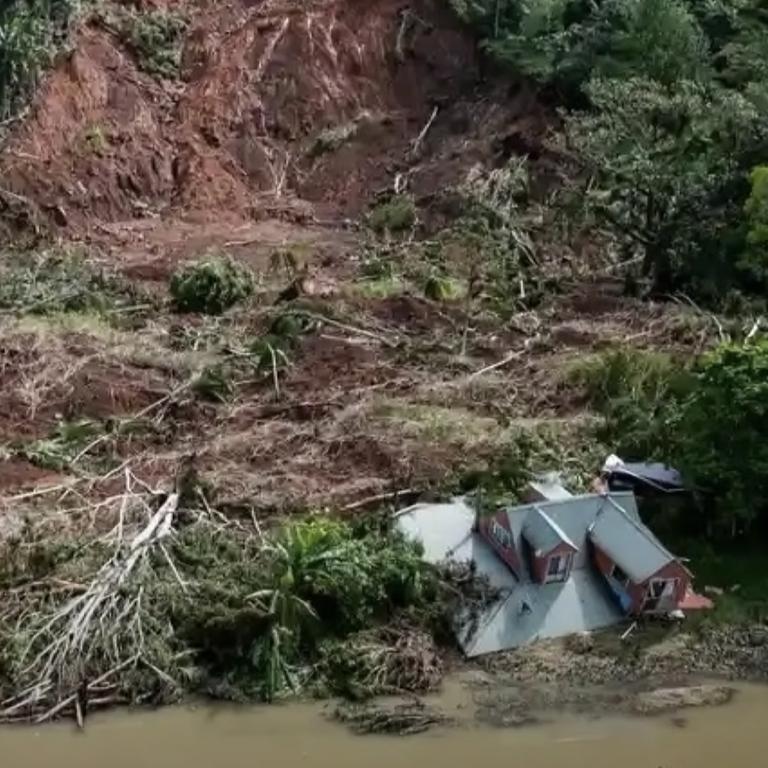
[[284, 736]]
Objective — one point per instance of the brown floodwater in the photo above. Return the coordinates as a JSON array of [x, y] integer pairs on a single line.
[[290, 735]]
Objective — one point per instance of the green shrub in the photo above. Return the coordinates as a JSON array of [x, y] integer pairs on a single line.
[[722, 430], [636, 392], [210, 286], [440, 288], [214, 383], [156, 38], [398, 214]]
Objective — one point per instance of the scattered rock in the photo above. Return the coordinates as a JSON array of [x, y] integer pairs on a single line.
[[670, 699]]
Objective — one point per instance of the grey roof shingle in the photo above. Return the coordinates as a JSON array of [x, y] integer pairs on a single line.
[[542, 532], [629, 543], [573, 516]]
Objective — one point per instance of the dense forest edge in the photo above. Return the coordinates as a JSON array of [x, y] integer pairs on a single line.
[[211, 452]]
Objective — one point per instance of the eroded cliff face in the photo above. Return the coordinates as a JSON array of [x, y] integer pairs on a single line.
[[277, 102]]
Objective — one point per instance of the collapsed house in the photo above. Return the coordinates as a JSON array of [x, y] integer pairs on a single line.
[[560, 564]]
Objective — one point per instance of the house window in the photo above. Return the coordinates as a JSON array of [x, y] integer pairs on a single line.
[[618, 574], [660, 594], [501, 535], [558, 567]]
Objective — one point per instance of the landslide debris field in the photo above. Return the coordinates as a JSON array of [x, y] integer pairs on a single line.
[[267, 259], [392, 340]]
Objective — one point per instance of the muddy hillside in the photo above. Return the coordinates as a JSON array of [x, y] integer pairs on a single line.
[[265, 90]]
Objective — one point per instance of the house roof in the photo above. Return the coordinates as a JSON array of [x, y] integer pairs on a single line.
[[573, 516], [580, 604], [525, 611], [543, 533], [629, 543]]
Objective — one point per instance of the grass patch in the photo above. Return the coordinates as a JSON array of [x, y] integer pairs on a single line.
[[743, 577], [441, 288], [437, 424], [378, 287], [95, 139]]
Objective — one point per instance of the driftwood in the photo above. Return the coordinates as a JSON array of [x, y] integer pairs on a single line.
[[401, 719]]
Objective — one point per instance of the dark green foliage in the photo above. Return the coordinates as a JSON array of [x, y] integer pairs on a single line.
[[565, 42], [755, 257], [30, 33], [241, 614], [721, 433], [210, 286], [673, 100], [709, 420], [63, 281], [662, 159], [257, 613]]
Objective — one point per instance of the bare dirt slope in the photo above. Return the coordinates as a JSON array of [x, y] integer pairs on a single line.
[[236, 137]]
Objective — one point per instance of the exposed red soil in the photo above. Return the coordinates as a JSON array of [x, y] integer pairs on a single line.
[[260, 81], [327, 364], [40, 385]]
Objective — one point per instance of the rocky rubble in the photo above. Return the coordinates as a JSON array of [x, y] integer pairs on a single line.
[[738, 653]]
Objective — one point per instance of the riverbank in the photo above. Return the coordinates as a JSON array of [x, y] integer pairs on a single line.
[[163, 600], [656, 651]]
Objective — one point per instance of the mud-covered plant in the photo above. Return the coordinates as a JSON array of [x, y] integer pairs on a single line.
[[63, 446], [63, 281], [214, 383], [332, 139], [210, 286]]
